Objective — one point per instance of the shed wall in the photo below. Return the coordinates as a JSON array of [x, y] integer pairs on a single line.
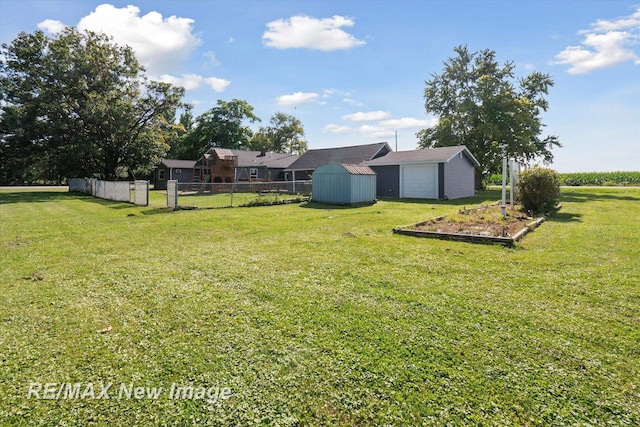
[[363, 188], [459, 177]]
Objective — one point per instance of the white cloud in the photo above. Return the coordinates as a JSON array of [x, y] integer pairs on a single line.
[[375, 131], [631, 21], [606, 44], [353, 102], [161, 44], [310, 33], [333, 128], [408, 122], [367, 117], [51, 26], [194, 81], [297, 98], [212, 59]]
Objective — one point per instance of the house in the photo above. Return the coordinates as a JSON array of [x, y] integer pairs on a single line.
[[430, 173], [220, 165], [263, 165], [303, 168], [344, 184], [180, 170]]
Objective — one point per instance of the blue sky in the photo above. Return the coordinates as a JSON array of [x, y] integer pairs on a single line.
[[353, 71]]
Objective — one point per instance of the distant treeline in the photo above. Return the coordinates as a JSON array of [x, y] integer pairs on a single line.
[[587, 178]]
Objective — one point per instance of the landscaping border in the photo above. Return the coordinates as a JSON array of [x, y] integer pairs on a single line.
[[408, 230]]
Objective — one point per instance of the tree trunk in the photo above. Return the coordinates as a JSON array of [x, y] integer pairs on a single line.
[[479, 181]]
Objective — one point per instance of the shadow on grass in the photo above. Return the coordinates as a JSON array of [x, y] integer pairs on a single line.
[[37, 196], [156, 211], [329, 207], [565, 217], [589, 195], [480, 198]]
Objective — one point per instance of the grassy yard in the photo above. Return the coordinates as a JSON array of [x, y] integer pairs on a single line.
[[315, 315]]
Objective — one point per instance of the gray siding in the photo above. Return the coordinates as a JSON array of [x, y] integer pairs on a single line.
[[160, 184], [388, 180], [332, 184], [459, 177], [185, 175]]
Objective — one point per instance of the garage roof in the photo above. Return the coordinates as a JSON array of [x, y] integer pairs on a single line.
[[424, 155]]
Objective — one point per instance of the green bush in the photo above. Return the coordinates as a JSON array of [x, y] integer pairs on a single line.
[[539, 189]]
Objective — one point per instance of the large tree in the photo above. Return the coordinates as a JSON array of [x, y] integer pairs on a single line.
[[284, 135], [480, 103], [226, 125], [76, 104]]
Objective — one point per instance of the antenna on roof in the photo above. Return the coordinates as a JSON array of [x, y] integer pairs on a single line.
[[396, 140]]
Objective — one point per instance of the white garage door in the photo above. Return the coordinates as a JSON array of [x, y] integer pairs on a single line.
[[419, 181]]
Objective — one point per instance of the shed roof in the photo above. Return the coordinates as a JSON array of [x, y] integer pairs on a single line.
[[424, 155], [355, 154], [339, 168], [357, 169]]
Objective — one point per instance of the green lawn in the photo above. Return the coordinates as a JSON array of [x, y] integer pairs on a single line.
[[317, 315]]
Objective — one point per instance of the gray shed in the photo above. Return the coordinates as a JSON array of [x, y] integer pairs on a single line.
[[343, 184]]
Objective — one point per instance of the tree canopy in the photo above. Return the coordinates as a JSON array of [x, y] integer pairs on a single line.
[[285, 135], [226, 125], [480, 103], [77, 104]]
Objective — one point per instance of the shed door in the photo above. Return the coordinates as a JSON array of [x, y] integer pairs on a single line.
[[419, 181]]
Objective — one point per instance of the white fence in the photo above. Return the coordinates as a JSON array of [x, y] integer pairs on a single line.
[[172, 194], [141, 192], [118, 191], [136, 192]]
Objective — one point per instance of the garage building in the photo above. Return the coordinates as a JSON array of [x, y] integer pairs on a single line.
[[429, 173]]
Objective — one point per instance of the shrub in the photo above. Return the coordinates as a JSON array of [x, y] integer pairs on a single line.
[[539, 189]]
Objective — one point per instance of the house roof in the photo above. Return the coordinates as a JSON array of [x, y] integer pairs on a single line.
[[222, 152], [248, 158], [355, 154], [269, 159], [178, 164], [424, 155]]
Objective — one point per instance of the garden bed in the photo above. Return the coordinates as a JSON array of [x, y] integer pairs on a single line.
[[479, 225]]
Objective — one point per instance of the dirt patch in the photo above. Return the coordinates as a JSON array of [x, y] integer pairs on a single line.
[[482, 221]]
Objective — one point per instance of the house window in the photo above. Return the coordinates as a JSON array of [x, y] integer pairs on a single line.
[[253, 173], [160, 173], [177, 171]]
